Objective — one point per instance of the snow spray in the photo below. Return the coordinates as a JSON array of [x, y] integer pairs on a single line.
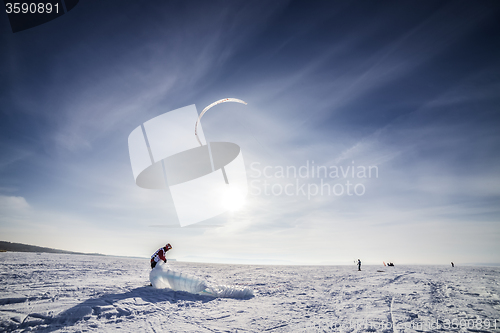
[[162, 277]]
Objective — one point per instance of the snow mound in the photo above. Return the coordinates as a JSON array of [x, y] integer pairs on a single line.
[[162, 277]]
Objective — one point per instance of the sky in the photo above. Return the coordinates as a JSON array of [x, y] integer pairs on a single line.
[[405, 94]]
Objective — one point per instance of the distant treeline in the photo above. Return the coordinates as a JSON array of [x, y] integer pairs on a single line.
[[18, 247]]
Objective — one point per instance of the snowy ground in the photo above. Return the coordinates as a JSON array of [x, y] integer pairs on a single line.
[[70, 293]]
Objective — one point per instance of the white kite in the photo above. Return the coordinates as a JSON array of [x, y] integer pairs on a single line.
[[224, 100]]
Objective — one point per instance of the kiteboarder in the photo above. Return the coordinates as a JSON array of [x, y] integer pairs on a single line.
[[452, 264], [160, 255], [359, 265]]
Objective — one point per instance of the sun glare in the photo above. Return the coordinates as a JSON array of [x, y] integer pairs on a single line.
[[233, 199]]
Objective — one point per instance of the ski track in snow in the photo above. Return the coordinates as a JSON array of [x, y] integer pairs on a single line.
[[74, 293]]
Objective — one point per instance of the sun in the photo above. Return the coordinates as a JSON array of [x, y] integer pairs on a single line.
[[233, 198]]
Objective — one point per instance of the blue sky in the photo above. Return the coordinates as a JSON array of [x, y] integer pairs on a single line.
[[410, 88]]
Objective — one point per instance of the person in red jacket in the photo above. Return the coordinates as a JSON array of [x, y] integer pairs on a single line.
[[160, 255]]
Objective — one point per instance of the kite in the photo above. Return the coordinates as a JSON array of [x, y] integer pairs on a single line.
[[224, 100]]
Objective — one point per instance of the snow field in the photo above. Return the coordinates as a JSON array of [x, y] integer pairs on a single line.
[[73, 293]]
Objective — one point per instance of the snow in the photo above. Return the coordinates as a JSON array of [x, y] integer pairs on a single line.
[[70, 293], [162, 276]]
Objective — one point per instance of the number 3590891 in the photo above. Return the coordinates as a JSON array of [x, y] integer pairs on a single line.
[[32, 8]]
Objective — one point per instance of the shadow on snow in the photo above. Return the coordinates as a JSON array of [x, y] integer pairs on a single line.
[[105, 306]]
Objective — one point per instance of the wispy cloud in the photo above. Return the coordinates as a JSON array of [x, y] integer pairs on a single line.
[[341, 85]]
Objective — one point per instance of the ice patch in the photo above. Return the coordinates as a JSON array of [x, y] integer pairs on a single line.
[[162, 277]]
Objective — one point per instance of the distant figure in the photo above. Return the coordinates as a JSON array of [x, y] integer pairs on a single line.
[[160, 255], [390, 264], [452, 264], [359, 265]]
